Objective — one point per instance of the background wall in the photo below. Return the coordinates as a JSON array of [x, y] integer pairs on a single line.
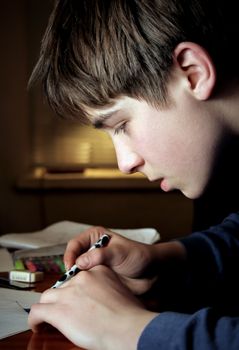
[[17, 211], [24, 210]]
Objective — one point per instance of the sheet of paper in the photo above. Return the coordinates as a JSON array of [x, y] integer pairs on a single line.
[[13, 317], [62, 232], [57, 233], [6, 261]]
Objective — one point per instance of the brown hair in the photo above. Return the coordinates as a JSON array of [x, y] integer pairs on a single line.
[[94, 51]]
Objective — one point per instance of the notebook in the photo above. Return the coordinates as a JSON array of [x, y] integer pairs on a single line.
[[14, 318]]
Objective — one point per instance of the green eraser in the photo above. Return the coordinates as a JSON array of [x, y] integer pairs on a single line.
[[19, 265]]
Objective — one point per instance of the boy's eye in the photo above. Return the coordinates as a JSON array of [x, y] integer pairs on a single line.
[[121, 128]]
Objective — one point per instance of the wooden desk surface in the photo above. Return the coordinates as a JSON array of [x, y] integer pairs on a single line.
[[48, 340]]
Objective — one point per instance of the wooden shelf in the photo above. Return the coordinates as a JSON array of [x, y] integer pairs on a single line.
[[41, 178]]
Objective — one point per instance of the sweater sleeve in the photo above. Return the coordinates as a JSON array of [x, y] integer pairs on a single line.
[[210, 291], [212, 264], [204, 329]]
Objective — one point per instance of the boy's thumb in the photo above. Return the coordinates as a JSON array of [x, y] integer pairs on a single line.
[[94, 258], [84, 262]]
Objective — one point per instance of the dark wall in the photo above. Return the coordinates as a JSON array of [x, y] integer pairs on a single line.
[[17, 212]]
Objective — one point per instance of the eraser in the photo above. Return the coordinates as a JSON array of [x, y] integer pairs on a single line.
[[26, 276], [19, 265]]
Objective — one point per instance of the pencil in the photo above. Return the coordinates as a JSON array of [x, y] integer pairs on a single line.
[[102, 242]]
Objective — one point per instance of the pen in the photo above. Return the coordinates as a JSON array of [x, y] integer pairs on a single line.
[[103, 241], [24, 308]]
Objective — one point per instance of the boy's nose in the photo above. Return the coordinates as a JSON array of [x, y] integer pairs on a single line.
[[129, 162]]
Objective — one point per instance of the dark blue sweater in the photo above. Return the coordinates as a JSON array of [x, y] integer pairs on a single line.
[[206, 316]]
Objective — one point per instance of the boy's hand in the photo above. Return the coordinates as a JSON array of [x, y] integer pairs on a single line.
[[94, 310], [134, 262], [128, 258]]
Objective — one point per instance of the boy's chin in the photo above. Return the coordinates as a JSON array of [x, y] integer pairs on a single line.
[[193, 193]]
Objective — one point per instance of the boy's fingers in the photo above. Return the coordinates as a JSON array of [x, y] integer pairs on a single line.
[[40, 316], [80, 244], [73, 249], [104, 256], [90, 259]]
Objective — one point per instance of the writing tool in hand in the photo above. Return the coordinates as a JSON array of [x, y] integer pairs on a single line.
[[24, 308], [102, 242]]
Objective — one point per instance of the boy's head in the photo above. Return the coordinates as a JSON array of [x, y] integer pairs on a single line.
[[145, 71], [95, 51]]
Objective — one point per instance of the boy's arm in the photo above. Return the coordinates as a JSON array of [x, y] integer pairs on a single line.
[[202, 273], [212, 264], [204, 329], [207, 295]]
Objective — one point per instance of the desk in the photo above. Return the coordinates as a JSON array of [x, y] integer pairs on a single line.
[[47, 340], [50, 339]]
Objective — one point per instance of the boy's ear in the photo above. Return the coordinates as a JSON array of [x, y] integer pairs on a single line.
[[198, 68]]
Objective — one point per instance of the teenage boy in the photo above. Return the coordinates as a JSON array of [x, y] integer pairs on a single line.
[[161, 77]]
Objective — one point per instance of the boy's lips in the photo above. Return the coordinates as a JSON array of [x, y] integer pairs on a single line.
[[164, 185]]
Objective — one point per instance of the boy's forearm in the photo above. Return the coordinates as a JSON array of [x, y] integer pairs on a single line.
[[168, 251]]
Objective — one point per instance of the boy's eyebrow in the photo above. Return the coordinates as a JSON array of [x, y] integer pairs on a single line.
[[100, 121]]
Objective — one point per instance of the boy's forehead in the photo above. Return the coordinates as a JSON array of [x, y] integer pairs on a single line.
[[103, 113]]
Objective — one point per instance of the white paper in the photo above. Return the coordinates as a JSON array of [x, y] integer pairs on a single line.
[[58, 233], [63, 231], [6, 262], [13, 318]]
